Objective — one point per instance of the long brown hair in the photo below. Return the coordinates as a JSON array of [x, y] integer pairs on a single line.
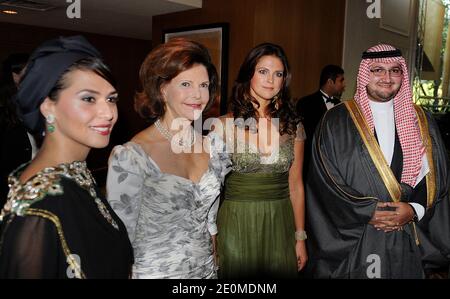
[[242, 103]]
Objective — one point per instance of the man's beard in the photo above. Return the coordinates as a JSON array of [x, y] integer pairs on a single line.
[[382, 96]]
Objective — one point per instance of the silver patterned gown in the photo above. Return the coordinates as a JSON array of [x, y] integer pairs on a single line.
[[169, 219]]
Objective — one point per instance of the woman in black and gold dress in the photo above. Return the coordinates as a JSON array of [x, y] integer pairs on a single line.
[[55, 223]]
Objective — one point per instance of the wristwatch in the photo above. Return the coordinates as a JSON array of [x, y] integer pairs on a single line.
[[415, 217]]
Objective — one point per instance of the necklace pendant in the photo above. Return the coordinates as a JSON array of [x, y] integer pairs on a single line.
[[169, 136]]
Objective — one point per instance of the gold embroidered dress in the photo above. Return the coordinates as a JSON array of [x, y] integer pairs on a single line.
[[57, 225]]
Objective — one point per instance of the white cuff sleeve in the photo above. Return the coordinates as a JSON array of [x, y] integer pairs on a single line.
[[420, 210]]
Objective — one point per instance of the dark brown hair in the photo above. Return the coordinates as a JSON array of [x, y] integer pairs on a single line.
[[330, 72], [93, 64], [163, 64], [241, 102], [14, 63]]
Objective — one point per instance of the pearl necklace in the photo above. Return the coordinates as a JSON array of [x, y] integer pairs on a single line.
[[169, 136]]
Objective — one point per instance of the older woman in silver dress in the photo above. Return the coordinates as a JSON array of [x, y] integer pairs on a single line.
[[166, 193]]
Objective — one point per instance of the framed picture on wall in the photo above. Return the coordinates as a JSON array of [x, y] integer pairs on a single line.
[[215, 38]]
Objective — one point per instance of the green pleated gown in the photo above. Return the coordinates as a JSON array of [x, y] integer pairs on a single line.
[[256, 222]]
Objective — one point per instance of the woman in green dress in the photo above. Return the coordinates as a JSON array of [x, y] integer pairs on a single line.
[[261, 219]]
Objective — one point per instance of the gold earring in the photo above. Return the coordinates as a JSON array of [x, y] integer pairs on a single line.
[[275, 102]]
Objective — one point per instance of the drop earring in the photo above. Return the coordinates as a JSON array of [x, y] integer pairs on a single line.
[[50, 120], [275, 102]]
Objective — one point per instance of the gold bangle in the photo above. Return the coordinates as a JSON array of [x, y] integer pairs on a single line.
[[300, 235]]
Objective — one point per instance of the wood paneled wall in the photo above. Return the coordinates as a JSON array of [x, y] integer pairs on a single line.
[[311, 33]]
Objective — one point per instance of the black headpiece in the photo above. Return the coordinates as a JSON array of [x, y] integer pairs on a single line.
[[382, 54], [44, 68]]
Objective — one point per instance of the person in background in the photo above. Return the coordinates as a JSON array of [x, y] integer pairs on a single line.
[[18, 146], [312, 107]]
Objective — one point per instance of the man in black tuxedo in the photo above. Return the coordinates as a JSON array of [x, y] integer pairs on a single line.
[[312, 107], [17, 146]]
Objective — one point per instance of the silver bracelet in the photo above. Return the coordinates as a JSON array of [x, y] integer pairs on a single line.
[[300, 235]]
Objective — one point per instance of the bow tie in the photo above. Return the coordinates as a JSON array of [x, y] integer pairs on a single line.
[[331, 100]]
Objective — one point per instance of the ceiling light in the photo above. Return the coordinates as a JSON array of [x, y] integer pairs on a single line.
[[10, 12]]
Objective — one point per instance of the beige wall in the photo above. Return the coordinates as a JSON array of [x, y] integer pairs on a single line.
[[361, 33]]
